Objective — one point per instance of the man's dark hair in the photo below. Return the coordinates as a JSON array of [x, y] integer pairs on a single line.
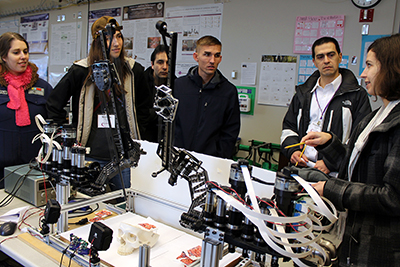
[[157, 50], [324, 40]]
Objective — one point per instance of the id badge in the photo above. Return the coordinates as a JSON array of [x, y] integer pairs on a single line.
[[102, 121], [315, 127]]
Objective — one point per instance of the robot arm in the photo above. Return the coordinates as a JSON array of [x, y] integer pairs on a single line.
[[126, 152]]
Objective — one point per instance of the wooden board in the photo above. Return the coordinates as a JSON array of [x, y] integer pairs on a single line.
[[49, 251]]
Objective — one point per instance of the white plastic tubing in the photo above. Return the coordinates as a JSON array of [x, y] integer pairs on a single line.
[[309, 227], [44, 139]]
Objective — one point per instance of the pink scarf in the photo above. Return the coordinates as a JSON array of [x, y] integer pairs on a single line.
[[16, 92]]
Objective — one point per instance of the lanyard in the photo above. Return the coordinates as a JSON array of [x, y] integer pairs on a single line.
[[319, 106], [109, 93]]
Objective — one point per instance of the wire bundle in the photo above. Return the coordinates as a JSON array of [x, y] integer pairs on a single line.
[[297, 244]]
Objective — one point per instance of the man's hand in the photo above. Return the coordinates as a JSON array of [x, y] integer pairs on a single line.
[[320, 165], [316, 138], [295, 158]]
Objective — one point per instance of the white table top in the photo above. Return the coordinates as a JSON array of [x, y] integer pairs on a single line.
[[169, 245]]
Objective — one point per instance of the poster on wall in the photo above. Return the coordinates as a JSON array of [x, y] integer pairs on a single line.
[[95, 14], [65, 43], [366, 41], [248, 73], [8, 26], [35, 30], [307, 67], [140, 33], [191, 23], [41, 62], [310, 28], [277, 80]]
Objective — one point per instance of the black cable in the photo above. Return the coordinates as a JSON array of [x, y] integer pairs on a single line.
[[81, 222], [62, 255], [12, 172], [261, 181], [83, 213], [77, 211], [9, 198], [86, 213], [71, 256]]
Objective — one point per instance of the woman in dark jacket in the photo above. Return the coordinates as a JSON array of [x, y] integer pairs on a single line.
[[369, 176], [22, 96], [132, 98]]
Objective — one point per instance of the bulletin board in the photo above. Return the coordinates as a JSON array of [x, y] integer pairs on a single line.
[[191, 23], [9, 26], [277, 80], [307, 67], [140, 33], [35, 30], [310, 28]]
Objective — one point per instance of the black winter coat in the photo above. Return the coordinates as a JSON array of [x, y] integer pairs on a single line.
[[71, 84], [207, 119], [372, 196], [347, 108]]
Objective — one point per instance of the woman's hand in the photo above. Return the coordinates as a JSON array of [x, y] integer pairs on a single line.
[[319, 187], [316, 138]]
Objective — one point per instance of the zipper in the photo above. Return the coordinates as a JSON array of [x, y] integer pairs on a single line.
[[197, 120], [351, 240]]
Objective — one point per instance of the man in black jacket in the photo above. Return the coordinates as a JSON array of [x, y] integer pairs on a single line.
[[208, 115], [156, 75], [330, 100]]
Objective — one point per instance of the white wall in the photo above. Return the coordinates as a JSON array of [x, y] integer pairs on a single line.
[[254, 27]]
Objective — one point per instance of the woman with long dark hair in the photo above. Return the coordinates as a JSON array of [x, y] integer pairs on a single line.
[[22, 96], [368, 185], [131, 97]]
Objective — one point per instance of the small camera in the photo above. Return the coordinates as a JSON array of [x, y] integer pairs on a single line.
[[100, 236], [52, 211]]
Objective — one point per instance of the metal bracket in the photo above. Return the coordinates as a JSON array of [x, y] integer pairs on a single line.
[[212, 247]]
